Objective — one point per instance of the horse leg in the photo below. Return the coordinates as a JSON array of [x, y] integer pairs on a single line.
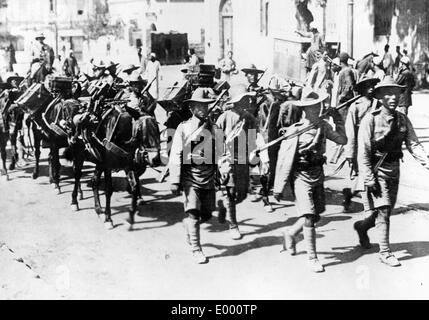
[[37, 142], [14, 159], [95, 188], [77, 168], [135, 192], [3, 142], [56, 168], [108, 223]]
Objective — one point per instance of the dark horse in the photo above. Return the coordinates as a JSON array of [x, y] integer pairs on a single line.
[[116, 141]]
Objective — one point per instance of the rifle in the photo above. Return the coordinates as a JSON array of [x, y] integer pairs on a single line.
[[165, 172], [308, 128]]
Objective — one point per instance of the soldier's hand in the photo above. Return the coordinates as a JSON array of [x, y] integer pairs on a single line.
[[336, 116], [375, 189], [265, 168], [175, 189]]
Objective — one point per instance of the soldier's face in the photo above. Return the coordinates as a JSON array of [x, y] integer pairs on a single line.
[[390, 99], [251, 77], [200, 110]]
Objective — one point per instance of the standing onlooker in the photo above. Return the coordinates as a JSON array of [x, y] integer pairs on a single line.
[[397, 59], [11, 59], [152, 72], [405, 78], [346, 83], [228, 67], [70, 66], [193, 60], [388, 61], [317, 45]]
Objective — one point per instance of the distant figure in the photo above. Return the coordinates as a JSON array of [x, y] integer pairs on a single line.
[[317, 46], [388, 61], [152, 73], [228, 67], [397, 59], [405, 78], [193, 60], [303, 15], [43, 60], [108, 47], [11, 59], [70, 66]]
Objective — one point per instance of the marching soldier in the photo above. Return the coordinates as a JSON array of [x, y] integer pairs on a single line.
[[259, 176], [357, 111], [381, 135], [300, 162], [193, 168], [236, 124]]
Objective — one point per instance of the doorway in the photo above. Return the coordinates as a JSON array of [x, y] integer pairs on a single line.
[[226, 27]]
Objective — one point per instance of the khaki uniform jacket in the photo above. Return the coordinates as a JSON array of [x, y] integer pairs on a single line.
[[376, 137], [290, 149], [190, 164], [357, 112]]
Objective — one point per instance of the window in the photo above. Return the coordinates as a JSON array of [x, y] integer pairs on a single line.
[[264, 17]]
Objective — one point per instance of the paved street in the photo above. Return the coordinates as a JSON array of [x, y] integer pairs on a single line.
[[62, 254]]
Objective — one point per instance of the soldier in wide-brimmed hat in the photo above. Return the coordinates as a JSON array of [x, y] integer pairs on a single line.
[[381, 135], [365, 88], [252, 74], [236, 124], [300, 162], [193, 168]]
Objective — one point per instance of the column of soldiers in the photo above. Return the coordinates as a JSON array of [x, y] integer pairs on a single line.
[[366, 122], [207, 152]]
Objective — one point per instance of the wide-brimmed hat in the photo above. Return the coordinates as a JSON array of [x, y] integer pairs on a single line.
[[130, 68], [112, 65], [366, 82], [252, 69], [18, 79], [40, 36], [387, 83], [237, 93], [309, 97], [202, 95], [99, 65]]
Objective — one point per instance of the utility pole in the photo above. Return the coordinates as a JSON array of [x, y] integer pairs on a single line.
[[350, 26]]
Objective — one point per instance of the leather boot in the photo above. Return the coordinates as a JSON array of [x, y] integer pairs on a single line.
[[310, 239], [362, 228], [383, 228], [194, 238], [347, 194]]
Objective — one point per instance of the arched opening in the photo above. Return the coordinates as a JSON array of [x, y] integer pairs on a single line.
[[226, 27]]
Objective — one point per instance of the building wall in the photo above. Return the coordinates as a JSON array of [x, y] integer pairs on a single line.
[[184, 16]]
